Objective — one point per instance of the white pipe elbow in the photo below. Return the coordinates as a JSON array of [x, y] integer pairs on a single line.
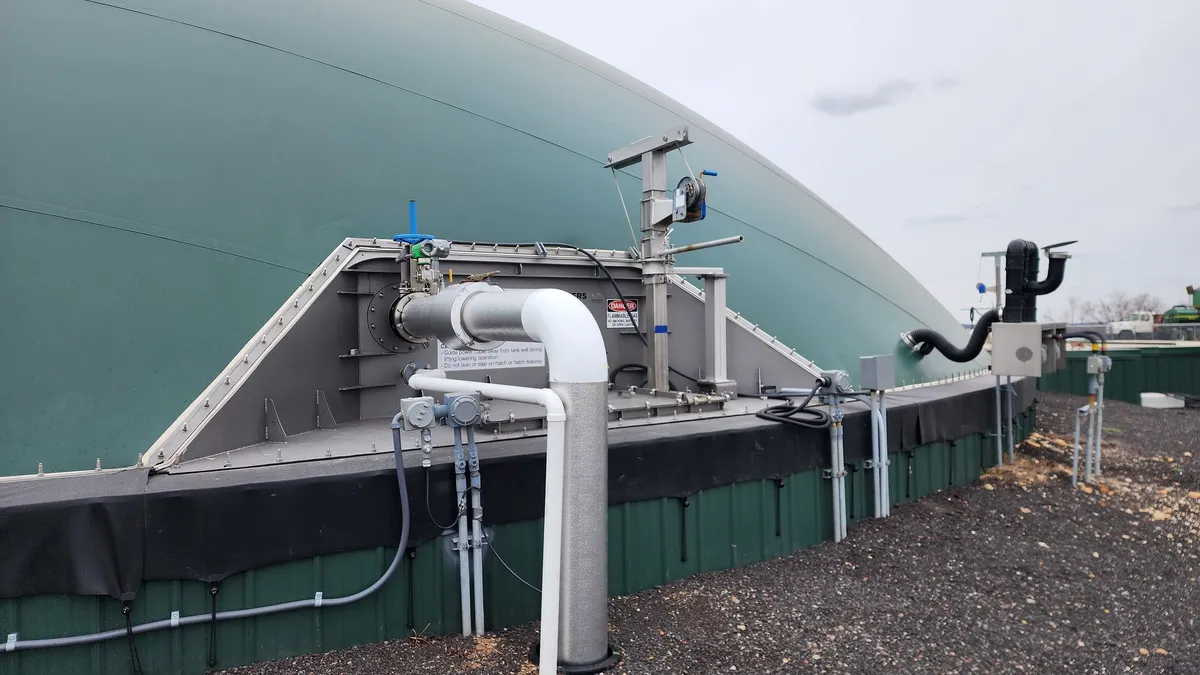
[[574, 344]]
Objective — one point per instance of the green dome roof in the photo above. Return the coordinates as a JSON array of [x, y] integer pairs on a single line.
[[171, 169]]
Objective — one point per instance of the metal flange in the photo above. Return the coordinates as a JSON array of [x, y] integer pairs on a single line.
[[384, 306]]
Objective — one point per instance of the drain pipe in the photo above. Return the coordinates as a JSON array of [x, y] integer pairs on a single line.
[[479, 316]]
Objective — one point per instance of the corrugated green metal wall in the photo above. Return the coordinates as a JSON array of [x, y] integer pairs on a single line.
[[725, 527], [1161, 369]]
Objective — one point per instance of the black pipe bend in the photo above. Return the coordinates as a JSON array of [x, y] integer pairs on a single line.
[[1091, 336], [924, 340], [1054, 276]]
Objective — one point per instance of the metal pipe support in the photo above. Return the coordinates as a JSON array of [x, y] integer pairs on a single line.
[[476, 491], [463, 542], [1012, 441]]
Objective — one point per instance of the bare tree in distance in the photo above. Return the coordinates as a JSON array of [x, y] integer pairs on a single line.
[[1119, 305], [1074, 312], [1116, 307]]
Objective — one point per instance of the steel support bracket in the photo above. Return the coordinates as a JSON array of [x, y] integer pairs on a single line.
[[325, 419], [274, 427]]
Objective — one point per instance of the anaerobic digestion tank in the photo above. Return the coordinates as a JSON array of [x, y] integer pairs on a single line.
[[171, 169]]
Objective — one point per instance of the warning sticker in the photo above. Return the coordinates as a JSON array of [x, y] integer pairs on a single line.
[[617, 316], [507, 355]]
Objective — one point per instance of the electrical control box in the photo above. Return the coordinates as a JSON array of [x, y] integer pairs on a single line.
[[1054, 341], [1018, 349], [418, 413], [1094, 365], [839, 381], [877, 372], [462, 409]]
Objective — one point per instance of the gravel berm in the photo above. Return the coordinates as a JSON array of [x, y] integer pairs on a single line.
[[1016, 573]]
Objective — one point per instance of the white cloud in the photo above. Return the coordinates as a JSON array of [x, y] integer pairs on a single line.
[[1065, 120]]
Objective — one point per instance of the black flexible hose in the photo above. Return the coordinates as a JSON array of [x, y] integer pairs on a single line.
[[612, 376], [925, 340], [1091, 336], [798, 415]]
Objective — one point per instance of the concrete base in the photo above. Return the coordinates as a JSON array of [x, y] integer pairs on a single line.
[[1161, 401]]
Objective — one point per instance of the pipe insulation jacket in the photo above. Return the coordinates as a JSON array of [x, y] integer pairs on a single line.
[[481, 316], [925, 340]]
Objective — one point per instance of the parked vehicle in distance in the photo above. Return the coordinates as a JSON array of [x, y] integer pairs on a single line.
[[1181, 322]]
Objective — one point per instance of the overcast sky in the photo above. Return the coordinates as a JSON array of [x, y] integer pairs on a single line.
[[947, 128]]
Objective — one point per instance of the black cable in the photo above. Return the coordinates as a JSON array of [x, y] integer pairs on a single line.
[[799, 415], [212, 626], [429, 507], [135, 661], [510, 570], [617, 289]]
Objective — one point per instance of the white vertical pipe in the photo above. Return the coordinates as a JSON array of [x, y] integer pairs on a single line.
[[887, 458], [552, 538], [555, 477]]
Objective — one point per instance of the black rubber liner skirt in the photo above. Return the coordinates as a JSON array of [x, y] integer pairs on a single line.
[[104, 534]]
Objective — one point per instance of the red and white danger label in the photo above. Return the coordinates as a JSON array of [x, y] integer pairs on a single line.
[[617, 315]]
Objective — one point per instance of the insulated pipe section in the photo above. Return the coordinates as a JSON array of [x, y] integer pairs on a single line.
[[480, 316], [924, 340]]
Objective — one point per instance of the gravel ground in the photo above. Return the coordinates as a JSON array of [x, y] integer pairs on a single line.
[[1017, 573]]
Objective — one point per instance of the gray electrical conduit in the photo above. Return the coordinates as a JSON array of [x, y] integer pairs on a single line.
[[90, 638]]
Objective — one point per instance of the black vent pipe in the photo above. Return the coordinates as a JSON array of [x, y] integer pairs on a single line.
[[1033, 264], [924, 340], [1015, 261], [1054, 277]]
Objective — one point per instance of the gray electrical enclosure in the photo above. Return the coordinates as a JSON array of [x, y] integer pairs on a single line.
[[1027, 349], [877, 373]]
